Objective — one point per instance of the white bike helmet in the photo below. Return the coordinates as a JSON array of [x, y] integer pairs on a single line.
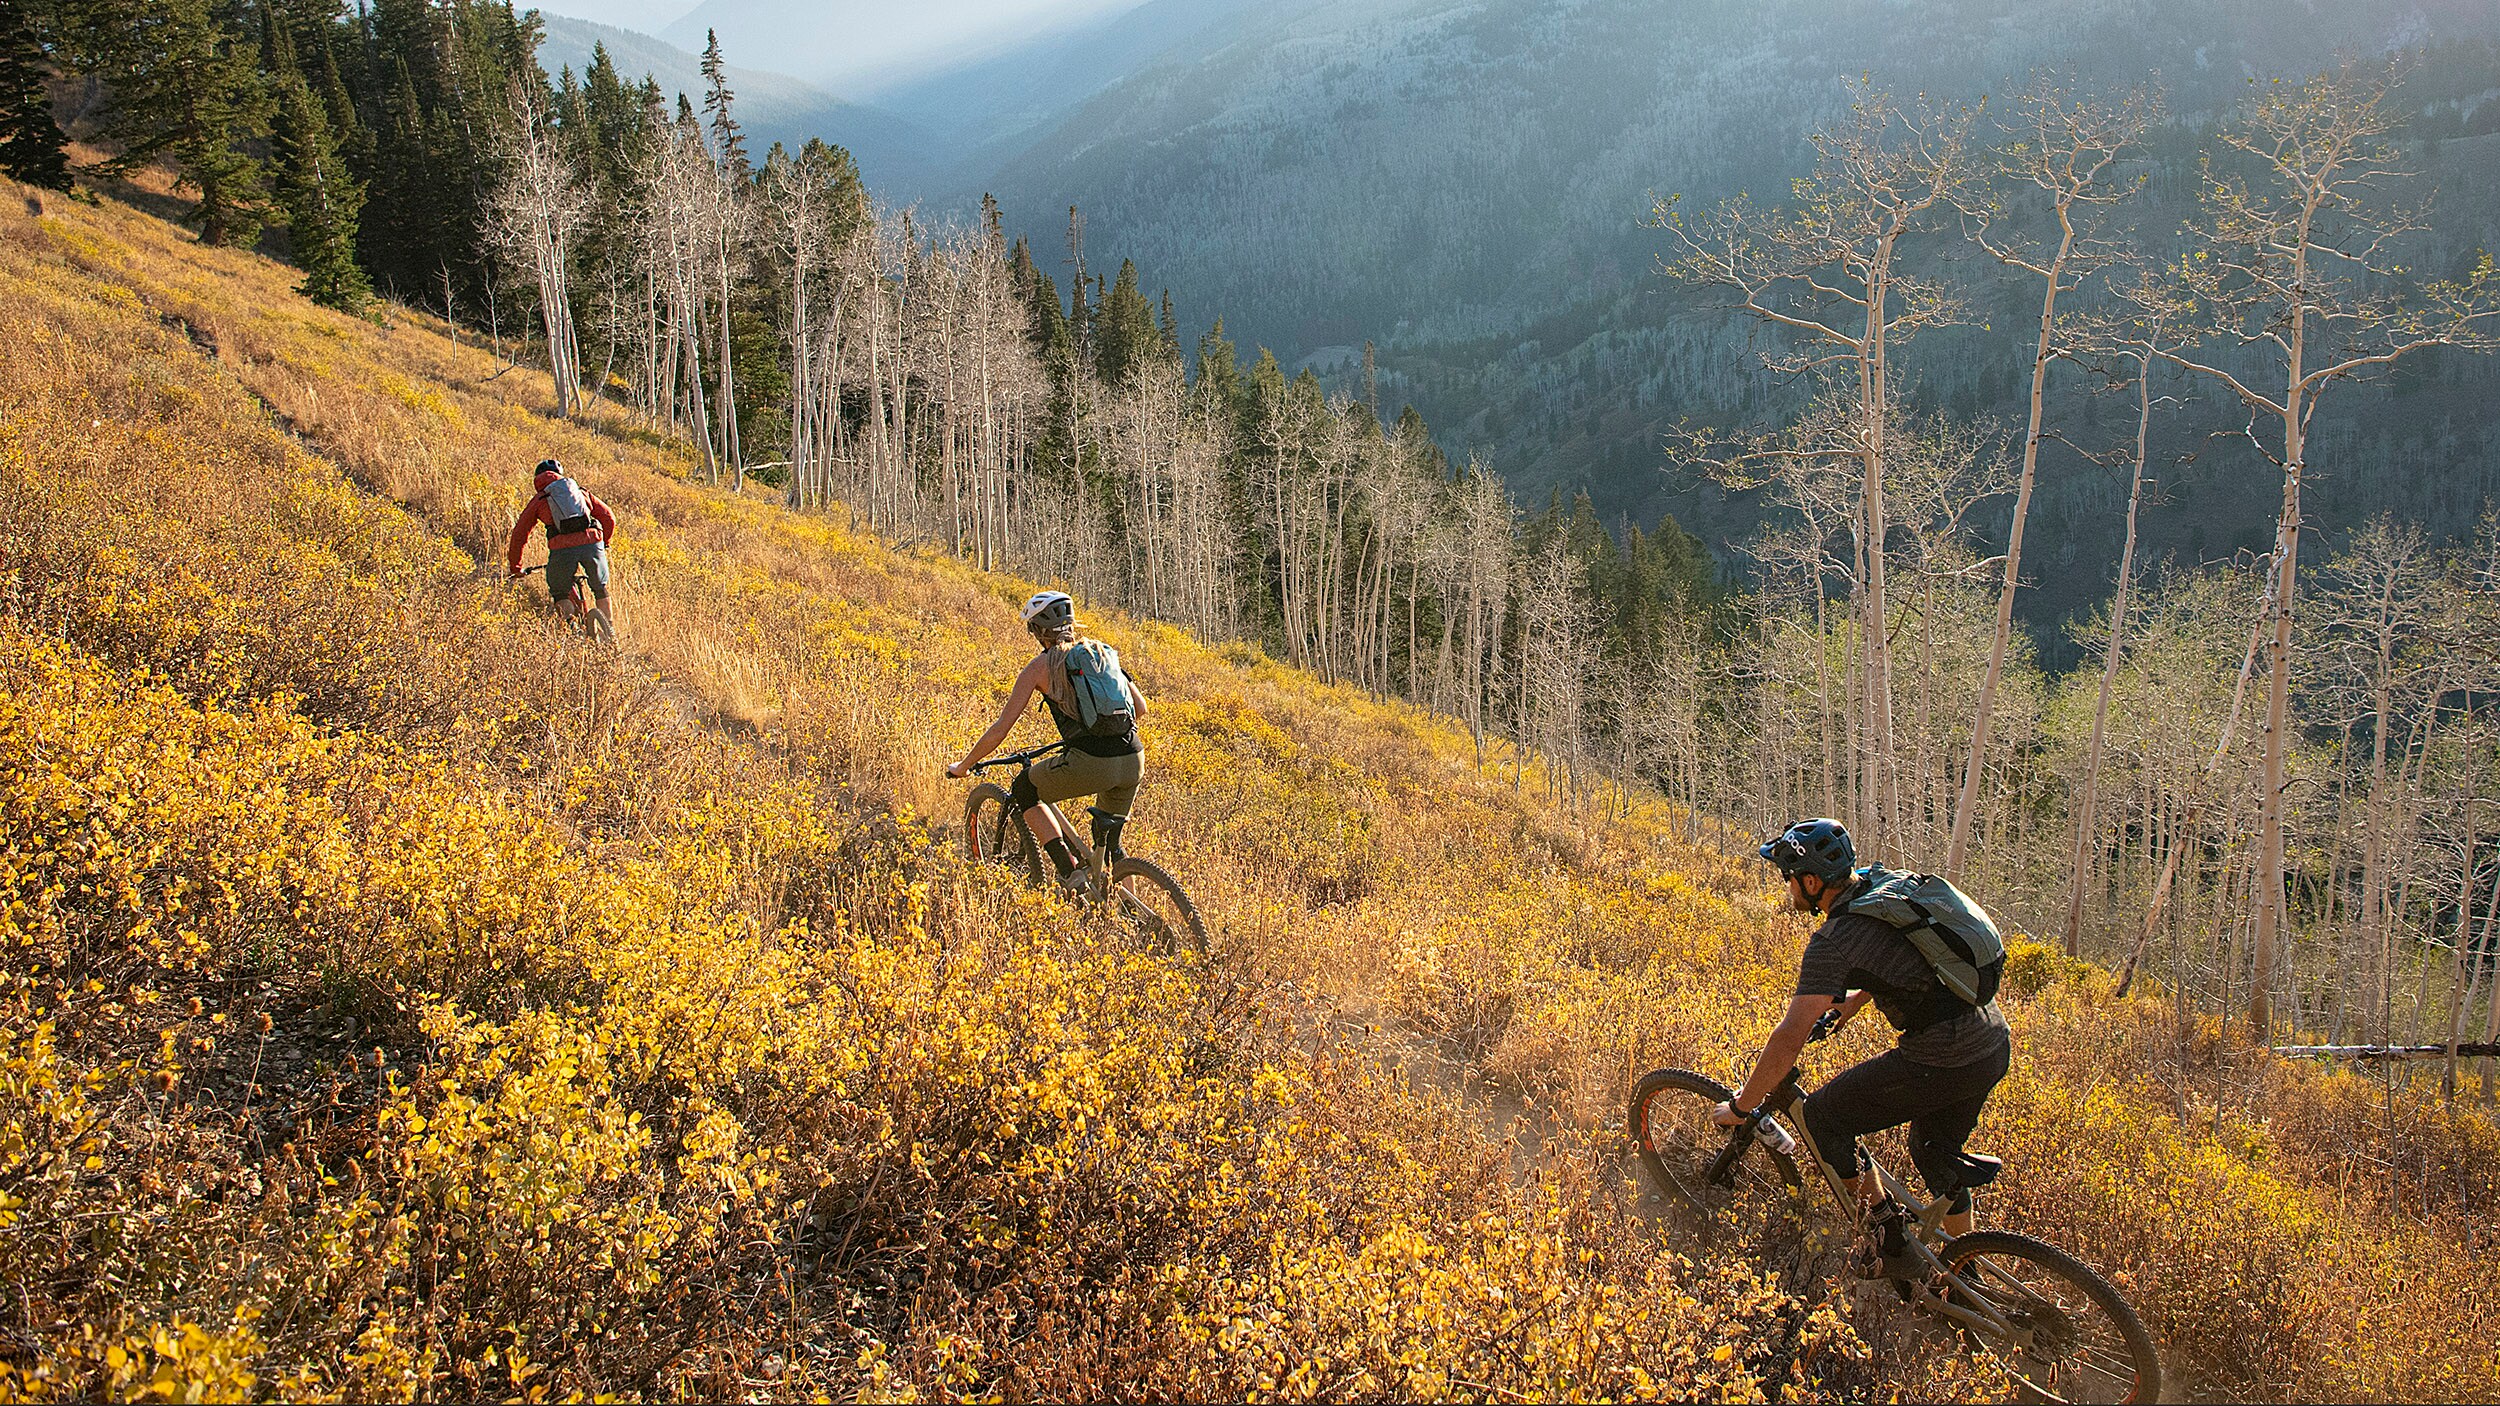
[[1048, 610]]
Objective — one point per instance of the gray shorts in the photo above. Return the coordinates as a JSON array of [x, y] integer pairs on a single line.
[[591, 561], [1111, 781]]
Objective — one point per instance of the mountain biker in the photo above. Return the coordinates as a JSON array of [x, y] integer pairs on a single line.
[[579, 528], [1950, 1054], [1107, 768]]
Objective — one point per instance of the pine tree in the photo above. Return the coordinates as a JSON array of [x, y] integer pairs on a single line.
[[1048, 320], [182, 86], [1125, 335], [1219, 370], [394, 234], [32, 148], [320, 198], [729, 143]]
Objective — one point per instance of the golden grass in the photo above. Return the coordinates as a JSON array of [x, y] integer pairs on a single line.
[[629, 1030]]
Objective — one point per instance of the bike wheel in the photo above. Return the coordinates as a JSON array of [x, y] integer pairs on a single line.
[[995, 834], [1679, 1144], [1152, 906], [2073, 1338]]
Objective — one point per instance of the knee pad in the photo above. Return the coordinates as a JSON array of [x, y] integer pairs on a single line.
[[1021, 791]]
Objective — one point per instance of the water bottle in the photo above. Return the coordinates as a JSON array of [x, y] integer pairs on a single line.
[[1775, 1137]]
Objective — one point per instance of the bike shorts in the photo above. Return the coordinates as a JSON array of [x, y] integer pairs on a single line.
[[591, 561], [1941, 1106], [1111, 781]]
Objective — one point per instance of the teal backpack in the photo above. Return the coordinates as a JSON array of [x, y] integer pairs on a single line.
[[1089, 678], [1949, 929]]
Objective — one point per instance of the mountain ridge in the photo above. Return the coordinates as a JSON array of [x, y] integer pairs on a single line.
[[774, 107]]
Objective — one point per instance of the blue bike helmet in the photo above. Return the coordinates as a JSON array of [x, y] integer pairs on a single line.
[[1819, 847]]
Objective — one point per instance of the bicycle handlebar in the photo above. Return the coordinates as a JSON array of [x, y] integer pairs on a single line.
[[1024, 758]]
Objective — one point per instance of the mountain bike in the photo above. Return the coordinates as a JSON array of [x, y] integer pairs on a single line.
[[579, 611], [1136, 893], [2058, 1326]]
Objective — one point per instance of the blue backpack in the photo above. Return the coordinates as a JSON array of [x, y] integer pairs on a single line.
[[1949, 929], [1089, 687]]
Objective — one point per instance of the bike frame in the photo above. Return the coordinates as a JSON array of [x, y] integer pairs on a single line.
[[578, 599], [1983, 1315], [1023, 762]]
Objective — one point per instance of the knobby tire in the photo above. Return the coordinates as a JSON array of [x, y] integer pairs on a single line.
[[2088, 1343], [1671, 1129], [1152, 903], [994, 833]]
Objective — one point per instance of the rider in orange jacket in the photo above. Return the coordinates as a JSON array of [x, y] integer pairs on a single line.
[[579, 528]]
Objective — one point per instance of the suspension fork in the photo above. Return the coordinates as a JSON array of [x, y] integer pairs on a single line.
[[1780, 1100]]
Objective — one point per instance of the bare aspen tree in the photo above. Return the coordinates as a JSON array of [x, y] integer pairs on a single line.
[[1944, 471], [684, 209], [2068, 148], [2378, 600], [800, 221], [2297, 270], [2204, 787], [535, 217], [1829, 271], [1481, 547], [1006, 378], [1555, 656], [2134, 339]]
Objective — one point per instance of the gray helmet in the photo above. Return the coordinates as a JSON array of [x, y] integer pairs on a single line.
[[1049, 610], [1819, 847]]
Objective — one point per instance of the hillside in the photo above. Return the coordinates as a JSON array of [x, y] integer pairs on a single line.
[[401, 1002]]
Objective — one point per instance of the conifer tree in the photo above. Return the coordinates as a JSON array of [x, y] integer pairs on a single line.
[[182, 86], [729, 143], [319, 197], [394, 234], [1125, 336], [32, 148], [1219, 371]]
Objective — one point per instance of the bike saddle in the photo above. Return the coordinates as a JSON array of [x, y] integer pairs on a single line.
[[1978, 1171]]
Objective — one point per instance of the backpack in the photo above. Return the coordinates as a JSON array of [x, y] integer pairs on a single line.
[[1954, 934], [568, 508], [1088, 686]]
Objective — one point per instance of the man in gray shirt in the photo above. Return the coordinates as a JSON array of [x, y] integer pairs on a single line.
[[1937, 1078]]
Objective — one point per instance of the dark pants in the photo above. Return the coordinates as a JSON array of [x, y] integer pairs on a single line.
[[589, 561], [1940, 1105]]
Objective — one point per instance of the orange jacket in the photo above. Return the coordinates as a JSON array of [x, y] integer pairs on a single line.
[[535, 516]]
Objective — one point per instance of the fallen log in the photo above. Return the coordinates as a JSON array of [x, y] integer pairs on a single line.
[[2468, 1050]]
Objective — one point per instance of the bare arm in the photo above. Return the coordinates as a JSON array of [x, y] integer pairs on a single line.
[[1137, 700], [1018, 699], [1788, 1040]]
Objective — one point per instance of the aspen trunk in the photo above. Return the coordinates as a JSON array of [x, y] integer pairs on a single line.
[[2078, 865], [1980, 716]]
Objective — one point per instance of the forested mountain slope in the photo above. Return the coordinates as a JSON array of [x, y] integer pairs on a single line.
[[401, 1002], [775, 106], [1465, 184]]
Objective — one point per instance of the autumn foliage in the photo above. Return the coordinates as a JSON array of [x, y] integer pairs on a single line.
[[403, 1001]]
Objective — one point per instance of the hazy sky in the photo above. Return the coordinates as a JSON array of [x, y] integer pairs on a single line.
[[877, 35]]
